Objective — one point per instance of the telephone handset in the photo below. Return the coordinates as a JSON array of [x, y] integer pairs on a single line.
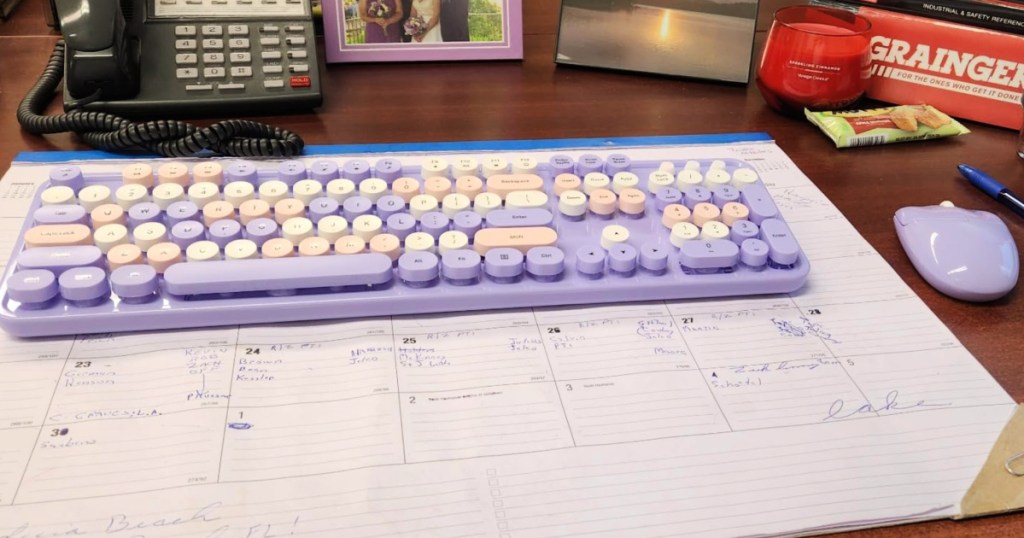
[[147, 58]]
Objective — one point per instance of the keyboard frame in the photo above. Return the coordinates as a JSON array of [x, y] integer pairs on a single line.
[[170, 312]]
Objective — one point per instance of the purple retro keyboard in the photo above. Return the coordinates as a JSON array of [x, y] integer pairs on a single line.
[[171, 244]]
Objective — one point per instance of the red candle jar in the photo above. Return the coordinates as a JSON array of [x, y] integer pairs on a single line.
[[815, 57]]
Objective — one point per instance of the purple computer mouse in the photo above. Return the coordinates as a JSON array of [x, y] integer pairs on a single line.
[[969, 255]]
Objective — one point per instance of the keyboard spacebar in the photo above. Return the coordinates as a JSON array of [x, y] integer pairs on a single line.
[[234, 276]]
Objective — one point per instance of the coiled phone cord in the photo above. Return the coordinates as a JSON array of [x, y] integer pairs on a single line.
[[238, 138]]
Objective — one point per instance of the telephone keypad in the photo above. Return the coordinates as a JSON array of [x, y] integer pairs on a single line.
[[185, 44], [185, 31], [238, 29], [213, 44], [240, 57], [187, 72], [212, 29], [239, 43], [241, 71], [185, 59], [214, 72], [213, 57]]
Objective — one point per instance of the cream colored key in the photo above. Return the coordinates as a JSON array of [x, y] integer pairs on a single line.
[[716, 165], [502, 184], [253, 209], [674, 214], [624, 180], [486, 202], [705, 212], [208, 172], [349, 244], [683, 232], [465, 166], [386, 244], [217, 210], [469, 186], [567, 182], [422, 204], [692, 165], [148, 234], [734, 211], [437, 186], [340, 189], [238, 192], [108, 236], [58, 235], [59, 195], [367, 226], [667, 166], [314, 246], [129, 195], [203, 193], [452, 240], [273, 191], [125, 254], [138, 174], [307, 190], [687, 178], [714, 230], [572, 203], [434, 166], [524, 165], [717, 177], [493, 166], [373, 188], [166, 194], [613, 235], [741, 177], [288, 208], [108, 214], [94, 195], [296, 229], [419, 242], [454, 203], [332, 228], [659, 180], [241, 249], [594, 181], [176, 173], [163, 255], [277, 247], [521, 239], [526, 200]]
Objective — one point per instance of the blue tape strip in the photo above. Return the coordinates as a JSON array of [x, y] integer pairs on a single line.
[[494, 145]]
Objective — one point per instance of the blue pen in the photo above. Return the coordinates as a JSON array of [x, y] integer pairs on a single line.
[[993, 188]]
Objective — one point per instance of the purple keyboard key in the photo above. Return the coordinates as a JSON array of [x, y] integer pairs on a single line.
[[60, 214], [434, 223], [60, 259], [67, 176], [324, 171], [460, 267], [714, 254], [187, 232], [278, 274], [144, 212], [224, 231], [85, 284], [388, 205], [467, 222], [667, 196], [622, 259], [654, 258], [291, 172], [545, 263], [356, 206], [617, 162], [742, 230], [589, 163], [754, 252], [696, 195], [503, 264], [782, 246], [590, 261], [241, 171], [181, 211], [755, 196], [260, 230], [32, 287], [724, 194], [401, 225], [417, 269], [356, 170], [515, 218], [135, 283], [561, 164], [388, 169], [322, 207]]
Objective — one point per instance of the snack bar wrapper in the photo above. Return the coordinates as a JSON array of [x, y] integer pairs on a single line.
[[903, 123]]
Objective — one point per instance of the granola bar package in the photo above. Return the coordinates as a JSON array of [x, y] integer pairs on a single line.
[[904, 123]]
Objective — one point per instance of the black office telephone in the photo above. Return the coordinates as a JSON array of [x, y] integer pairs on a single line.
[[149, 58]]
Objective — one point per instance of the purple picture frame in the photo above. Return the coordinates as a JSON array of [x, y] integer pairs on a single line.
[[338, 50]]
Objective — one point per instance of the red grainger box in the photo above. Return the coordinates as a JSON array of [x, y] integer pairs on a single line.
[[966, 72]]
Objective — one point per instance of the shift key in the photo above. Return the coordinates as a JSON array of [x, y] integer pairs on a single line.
[[60, 259], [521, 239]]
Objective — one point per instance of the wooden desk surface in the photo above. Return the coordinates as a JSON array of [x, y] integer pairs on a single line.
[[535, 99]]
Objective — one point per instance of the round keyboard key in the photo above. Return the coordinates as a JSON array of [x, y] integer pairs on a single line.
[[296, 229], [174, 174], [658, 180], [617, 162], [241, 249], [373, 188], [742, 230], [418, 269], [181, 212], [259, 231], [687, 178], [163, 255], [340, 189], [602, 203], [307, 190], [733, 212], [754, 253], [322, 207], [356, 206], [589, 163], [494, 166], [572, 204], [708, 255], [622, 259], [138, 174], [717, 164], [624, 180], [314, 246], [324, 171], [594, 181], [654, 258], [386, 244], [524, 165], [129, 195], [241, 171], [452, 240], [422, 204], [107, 214], [724, 194], [332, 228], [526, 200], [61, 214], [85, 285], [741, 177], [125, 254], [388, 205], [545, 263], [208, 172], [59, 195], [705, 212], [691, 165], [783, 249], [419, 242], [148, 234], [217, 210], [438, 187], [367, 226], [401, 225], [291, 172], [405, 188], [667, 197], [356, 170], [135, 283], [632, 202], [388, 169], [288, 208], [350, 244], [467, 222], [717, 177], [469, 186], [503, 264], [67, 175], [166, 194], [202, 251], [683, 232], [465, 166], [273, 191], [454, 203], [145, 212], [224, 231], [561, 164], [674, 214], [202, 193], [696, 195], [108, 236], [566, 182], [94, 196], [253, 209], [434, 223], [187, 232], [613, 235], [460, 267], [714, 230], [277, 247], [434, 166], [32, 287], [590, 261], [486, 202]]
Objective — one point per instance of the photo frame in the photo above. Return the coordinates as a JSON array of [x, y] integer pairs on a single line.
[[364, 31]]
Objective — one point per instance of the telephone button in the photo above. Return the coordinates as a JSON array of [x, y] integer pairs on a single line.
[[238, 29], [187, 72], [212, 29], [198, 87], [270, 41], [294, 28], [185, 59], [299, 68], [185, 31], [213, 44], [238, 43], [271, 55], [214, 72], [270, 29], [213, 58], [273, 83], [296, 41], [241, 71], [300, 82], [297, 54], [228, 87], [272, 69], [240, 57], [185, 44]]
